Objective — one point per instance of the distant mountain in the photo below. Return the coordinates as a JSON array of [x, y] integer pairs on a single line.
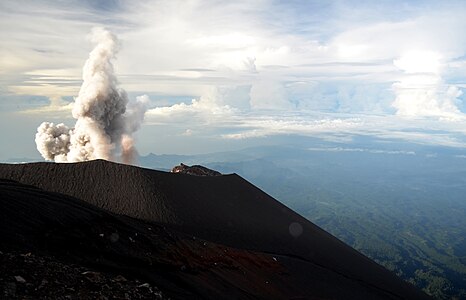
[[189, 237], [168, 161]]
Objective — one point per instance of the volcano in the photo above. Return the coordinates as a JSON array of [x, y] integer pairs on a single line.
[[170, 235]]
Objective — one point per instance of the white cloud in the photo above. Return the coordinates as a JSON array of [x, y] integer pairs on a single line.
[[373, 151], [419, 62], [338, 68], [207, 108], [269, 94], [261, 126], [422, 92], [163, 40], [188, 132], [438, 31]]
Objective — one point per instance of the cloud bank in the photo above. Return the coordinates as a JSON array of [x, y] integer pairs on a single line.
[[302, 68], [422, 92]]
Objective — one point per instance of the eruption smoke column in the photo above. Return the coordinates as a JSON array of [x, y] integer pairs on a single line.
[[106, 119]]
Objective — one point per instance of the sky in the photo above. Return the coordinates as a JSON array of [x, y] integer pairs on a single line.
[[222, 75]]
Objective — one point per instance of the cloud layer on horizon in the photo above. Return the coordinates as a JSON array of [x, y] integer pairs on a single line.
[[255, 68]]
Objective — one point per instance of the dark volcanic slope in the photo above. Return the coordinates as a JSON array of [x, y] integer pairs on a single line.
[[226, 210], [62, 246]]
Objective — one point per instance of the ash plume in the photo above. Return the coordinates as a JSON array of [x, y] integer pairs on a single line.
[[105, 118]]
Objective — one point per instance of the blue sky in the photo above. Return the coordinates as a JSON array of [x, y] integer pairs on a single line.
[[223, 75]]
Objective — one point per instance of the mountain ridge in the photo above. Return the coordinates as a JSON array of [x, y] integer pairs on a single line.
[[226, 210]]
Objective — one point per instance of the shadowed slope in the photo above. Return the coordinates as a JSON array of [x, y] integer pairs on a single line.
[[225, 209], [64, 230]]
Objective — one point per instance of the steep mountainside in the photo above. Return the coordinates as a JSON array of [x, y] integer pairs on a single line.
[[289, 255]]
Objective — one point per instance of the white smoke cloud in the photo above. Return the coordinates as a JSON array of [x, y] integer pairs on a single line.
[[105, 118], [53, 141]]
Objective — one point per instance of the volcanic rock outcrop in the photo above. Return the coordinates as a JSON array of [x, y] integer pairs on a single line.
[[196, 170]]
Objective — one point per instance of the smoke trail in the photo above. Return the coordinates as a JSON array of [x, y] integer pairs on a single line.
[[105, 120]]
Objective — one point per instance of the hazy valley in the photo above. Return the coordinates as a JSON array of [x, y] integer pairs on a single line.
[[400, 204]]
